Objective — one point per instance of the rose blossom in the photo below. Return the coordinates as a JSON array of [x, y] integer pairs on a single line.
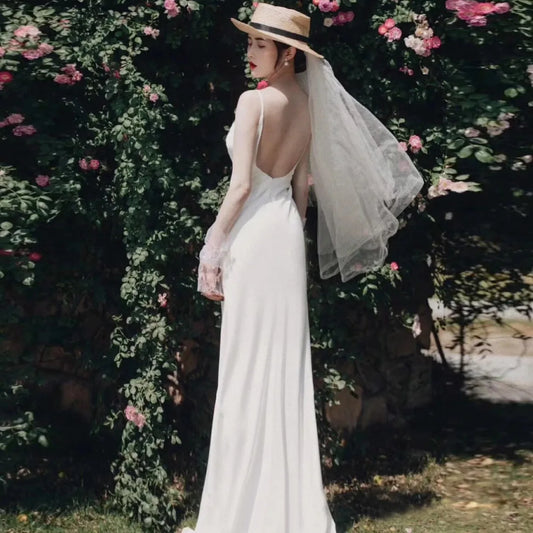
[[14, 118], [133, 415], [26, 31], [389, 23], [501, 7], [42, 180], [2, 51], [394, 266], [328, 22], [394, 34], [382, 30], [20, 130], [7, 252], [415, 143], [94, 164], [35, 256], [154, 97], [83, 164], [32, 54], [162, 299], [6, 77]]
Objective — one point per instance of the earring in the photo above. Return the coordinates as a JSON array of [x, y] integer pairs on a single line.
[[286, 62]]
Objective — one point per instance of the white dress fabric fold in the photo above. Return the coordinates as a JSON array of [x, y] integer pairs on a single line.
[[264, 472]]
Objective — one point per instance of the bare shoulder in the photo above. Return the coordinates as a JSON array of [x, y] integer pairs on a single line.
[[248, 102]]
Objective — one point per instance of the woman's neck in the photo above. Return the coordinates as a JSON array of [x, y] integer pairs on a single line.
[[282, 77]]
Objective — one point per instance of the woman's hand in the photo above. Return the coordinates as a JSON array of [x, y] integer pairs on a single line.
[[210, 282]]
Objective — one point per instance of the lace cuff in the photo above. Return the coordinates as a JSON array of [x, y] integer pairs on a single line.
[[211, 258]]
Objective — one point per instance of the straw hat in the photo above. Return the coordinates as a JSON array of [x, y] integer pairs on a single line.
[[279, 24]]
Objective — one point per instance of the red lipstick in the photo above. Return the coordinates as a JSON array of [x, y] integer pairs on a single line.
[[252, 65]]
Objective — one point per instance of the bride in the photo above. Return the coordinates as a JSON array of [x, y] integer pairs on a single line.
[[263, 473]]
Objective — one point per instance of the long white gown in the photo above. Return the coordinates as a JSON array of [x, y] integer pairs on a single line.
[[263, 473]]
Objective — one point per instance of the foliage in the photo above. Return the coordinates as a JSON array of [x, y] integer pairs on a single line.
[[117, 166]]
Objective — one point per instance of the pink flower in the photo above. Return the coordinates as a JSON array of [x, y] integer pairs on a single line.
[[14, 118], [94, 164], [83, 164], [148, 30], [477, 21], [133, 415], [262, 84], [483, 8], [32, 54], [105, 66], [63, 79], [349, 16], [325, 6], [45, 48], [334, 6], [433, 42], [394, 266], [26, 31], [162, 299], [402, 145], [35, 256], [5, 77], [389, 23], [172, 8], [20, 130], [406, 70], [116, 74], [382, 30], [2, 51], [501, 7], [42, 180], [458, 186], [154, 97], [7, 252], [394, 34], [415, 143]]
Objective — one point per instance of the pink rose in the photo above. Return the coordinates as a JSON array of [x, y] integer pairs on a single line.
[[433, 42], [501, 7], [170, 5], [146, 89], [32, 54], [45, 48], [162, 299], [477, 21], [324, 6], [42, 180], [83, 164], [483, 8], [133, 415], [15, 118], [26, 31], [5, 77], [116, 74], [262, 84], [35, 256], [148, 30], [7, 252], [63, 79], [415, 142], [334, 6], [349, 16], [20, 130], [105, 66], [394, 266], [154, 97], [2, 51], [382, 30], [389, 23], [394, 34], [94, 164]]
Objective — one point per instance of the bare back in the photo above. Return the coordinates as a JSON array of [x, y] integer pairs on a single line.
[[286, 130]]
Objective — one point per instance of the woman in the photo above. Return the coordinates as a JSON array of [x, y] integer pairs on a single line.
[[263, 473]]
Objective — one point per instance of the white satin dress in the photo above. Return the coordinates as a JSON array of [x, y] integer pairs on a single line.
[[263, 473]]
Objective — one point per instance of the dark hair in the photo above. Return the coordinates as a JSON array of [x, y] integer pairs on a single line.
[[300, 63]]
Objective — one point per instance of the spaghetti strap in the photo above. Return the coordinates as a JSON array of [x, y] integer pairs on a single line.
[[260, 125]]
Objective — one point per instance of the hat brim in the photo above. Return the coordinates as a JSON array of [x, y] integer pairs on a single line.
[[246, 28]]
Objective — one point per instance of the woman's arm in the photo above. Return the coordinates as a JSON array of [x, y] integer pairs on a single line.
[[244, 141], [300, 183]]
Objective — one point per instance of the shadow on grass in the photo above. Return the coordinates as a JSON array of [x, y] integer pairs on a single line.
[[455, 426]]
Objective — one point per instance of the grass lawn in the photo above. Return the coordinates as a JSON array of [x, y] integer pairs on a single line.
[[461, 466]]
